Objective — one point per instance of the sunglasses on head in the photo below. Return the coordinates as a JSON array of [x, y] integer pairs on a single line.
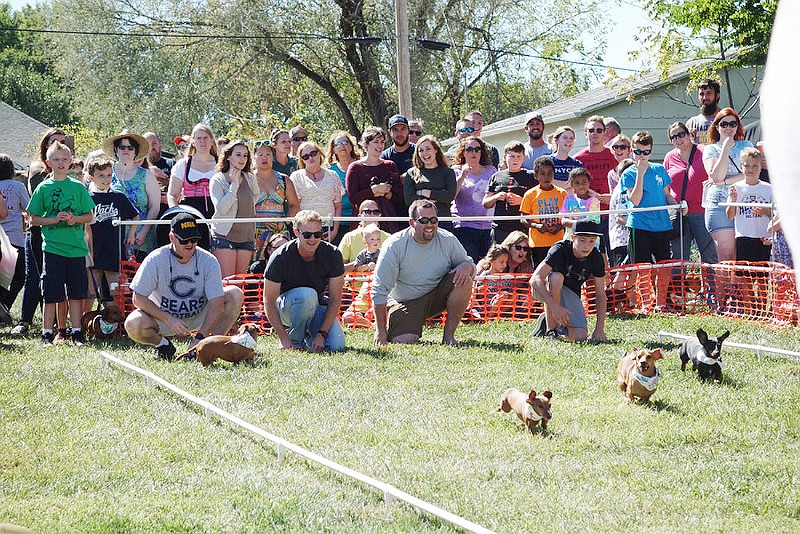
[[342, 142], [595, 130], [309, 235], [428, 220], [522, 247], [126, 147], [367, 211], [645, 152], [415, 132], [183, 147], [679, 135], [299, 139], [620, 147], [192, 240], [472, 149], [309, 155], [468, 129], [263, 142], [728, 124]]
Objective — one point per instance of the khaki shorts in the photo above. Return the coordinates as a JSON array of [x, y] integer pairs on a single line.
[[409, 317]]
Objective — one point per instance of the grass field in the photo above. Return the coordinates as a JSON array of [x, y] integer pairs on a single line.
[[90, 448]]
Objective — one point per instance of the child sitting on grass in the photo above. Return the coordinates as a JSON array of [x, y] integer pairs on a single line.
[[61, 206], [358, 314], [496, 292]]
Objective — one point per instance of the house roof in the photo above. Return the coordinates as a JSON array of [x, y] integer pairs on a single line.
[[20, 133], [584, 104]]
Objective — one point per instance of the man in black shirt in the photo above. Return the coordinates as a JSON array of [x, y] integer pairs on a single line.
[[558, 279], [295, 280]]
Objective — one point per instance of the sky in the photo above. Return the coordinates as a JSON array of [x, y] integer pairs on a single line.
[[620, 38]]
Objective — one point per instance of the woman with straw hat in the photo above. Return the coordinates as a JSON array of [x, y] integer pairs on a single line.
[[136, 183]]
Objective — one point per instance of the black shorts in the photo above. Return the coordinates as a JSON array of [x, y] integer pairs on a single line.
[[752, 249], [645, 246], [59, 272]]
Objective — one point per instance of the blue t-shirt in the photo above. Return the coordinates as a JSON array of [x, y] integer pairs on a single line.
[[655, 180], [401, 159], [562, 167], [347, 206]]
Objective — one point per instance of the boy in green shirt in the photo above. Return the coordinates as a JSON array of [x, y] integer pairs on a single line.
[[61, 206]]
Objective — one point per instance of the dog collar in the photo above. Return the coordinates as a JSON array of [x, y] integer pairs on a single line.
[[107, 328], [649, 382], [702, 357], [531, 414], [245, 340]]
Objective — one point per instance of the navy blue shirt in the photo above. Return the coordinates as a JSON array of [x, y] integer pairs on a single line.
[[401, 159]]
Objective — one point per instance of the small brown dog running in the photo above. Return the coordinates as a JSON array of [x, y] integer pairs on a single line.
[[229, 348], [529, 408], [637, 375], [102, 324]]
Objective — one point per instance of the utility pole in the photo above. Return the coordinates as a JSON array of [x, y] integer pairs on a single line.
[[403, 58]]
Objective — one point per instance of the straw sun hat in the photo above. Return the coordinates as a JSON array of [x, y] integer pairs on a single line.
[[144, 144]]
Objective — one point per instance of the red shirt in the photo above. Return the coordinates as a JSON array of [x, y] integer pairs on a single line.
[[598, 164], [676, 168]]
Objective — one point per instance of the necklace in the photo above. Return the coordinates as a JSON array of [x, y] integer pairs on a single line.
[[313, 175]]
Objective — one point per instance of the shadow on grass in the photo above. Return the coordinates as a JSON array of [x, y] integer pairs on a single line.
[[669, 345], [661, 405], [377, 353], [491, 345]]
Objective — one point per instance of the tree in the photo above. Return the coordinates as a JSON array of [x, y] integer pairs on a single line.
[[733, 32], [28, 80], [252, 65]]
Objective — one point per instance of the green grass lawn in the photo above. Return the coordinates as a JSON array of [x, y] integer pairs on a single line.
[[87, 447]]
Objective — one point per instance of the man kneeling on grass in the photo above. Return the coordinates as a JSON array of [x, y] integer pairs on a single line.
[[421, 272], [568, 265], [177, 290]]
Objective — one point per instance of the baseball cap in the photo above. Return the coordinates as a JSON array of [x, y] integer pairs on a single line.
[[296, 130], [181, 139], [586, 227], [533, 115], [184, 226], [397, 119]]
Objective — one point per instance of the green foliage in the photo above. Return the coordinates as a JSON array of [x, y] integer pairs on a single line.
[[28, 80], [88, 447]]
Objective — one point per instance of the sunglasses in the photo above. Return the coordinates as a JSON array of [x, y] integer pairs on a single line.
[[342, 142], [475, 149], [309, 235], [679, 135], [728, 124], [415, 132], [183, 147], [192, 240], [297, 139], [309, 155], [370, 212], [126, 147], [521, 247], [595, 130], [263, 142], [641, 152], [468, 129], [428, 220], [620, 147]]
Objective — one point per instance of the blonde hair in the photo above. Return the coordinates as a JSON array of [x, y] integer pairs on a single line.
[[496, 251], [306, 216]]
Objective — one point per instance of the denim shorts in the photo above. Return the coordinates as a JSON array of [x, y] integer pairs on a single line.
[[717, 219], [222, 243]]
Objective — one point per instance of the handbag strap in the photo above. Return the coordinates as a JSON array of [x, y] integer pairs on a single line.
[[686, 174], [738, 170]]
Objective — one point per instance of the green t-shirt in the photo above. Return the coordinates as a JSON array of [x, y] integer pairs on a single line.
[[52, 197]]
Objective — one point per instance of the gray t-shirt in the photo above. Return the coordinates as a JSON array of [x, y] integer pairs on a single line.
[[407, 270], [533, 152], [16, 198], [180, 289]]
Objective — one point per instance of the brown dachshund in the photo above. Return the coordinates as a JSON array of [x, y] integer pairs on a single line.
[[229, 348], [529, 408], [637, 375], [102, 324]]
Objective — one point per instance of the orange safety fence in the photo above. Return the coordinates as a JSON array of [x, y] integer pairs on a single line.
[[754, 291]]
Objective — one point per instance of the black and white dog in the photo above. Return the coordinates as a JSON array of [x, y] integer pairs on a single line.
[[705, 355]]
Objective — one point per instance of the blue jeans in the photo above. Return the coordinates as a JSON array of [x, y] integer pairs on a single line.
[[476, 242], [695, 230], [302, 314], [32, 291]]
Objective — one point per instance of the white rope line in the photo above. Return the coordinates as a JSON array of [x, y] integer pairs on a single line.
[[759, 349], [330, 218], [390, 493]]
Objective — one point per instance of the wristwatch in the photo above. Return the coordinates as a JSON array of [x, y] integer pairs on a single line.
[[199, 336], [323, 333]]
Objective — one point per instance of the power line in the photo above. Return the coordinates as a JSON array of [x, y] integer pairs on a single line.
[[299, 36]]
